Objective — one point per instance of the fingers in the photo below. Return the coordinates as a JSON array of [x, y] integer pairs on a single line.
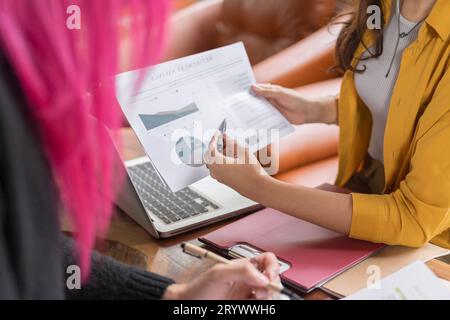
[[237, 151], [262, 294], [268, 263], [213, 144], [240, 271], [211, 155], [230, 147], [268, 91], [233, 152], [279, 107], [275, 103]]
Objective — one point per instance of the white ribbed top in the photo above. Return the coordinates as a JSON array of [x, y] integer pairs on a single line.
[[373, 87]]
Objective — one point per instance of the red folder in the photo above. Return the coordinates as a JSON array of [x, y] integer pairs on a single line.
[[314, 254]]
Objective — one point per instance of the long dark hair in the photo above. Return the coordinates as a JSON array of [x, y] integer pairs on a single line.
[[352, 34]]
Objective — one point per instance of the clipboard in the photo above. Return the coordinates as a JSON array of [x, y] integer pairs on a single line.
[[309, 255]]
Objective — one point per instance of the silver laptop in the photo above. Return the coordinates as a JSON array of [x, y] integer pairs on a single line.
[[163, 213]]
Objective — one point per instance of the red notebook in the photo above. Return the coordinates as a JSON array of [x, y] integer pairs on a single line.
[[314, 254]]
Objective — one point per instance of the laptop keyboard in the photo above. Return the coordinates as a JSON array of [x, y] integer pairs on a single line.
[[170, 207]]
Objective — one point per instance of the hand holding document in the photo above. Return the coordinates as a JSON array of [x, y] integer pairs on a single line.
[[178, 106]]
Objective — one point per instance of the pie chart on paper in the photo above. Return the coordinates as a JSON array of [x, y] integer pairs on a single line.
[[190, 150]]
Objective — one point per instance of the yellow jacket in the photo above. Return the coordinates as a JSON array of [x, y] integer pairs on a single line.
[[415, 208]]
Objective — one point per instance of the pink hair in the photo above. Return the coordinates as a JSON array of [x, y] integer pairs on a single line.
[[67, 77]]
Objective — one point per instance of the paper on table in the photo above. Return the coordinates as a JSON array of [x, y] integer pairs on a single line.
[[413, 282], [446, 283], [181, 103], [389, 259]]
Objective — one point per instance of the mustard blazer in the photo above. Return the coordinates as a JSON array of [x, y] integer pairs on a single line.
[[415, 207]]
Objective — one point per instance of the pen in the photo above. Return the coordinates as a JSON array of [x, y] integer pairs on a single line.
[[222, 129], [201, 253]]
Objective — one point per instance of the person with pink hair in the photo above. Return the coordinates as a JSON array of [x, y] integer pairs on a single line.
[[55, 76]]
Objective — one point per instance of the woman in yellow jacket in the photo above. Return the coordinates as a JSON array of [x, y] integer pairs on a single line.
[[394, 118]]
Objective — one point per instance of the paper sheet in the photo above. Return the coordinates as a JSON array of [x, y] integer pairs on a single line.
[[389, 259], [414, 282], [180, 104], [446, 283]]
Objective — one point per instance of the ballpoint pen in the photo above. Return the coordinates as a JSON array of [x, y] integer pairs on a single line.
[[222, 129], [202, 253]]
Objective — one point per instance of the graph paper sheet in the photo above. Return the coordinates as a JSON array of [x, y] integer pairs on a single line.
[[180, 104]]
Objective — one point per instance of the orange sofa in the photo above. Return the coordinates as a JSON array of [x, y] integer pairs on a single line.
[[308, 156], [265, 26]]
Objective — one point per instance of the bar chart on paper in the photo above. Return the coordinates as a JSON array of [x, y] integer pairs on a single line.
[[152, 121]]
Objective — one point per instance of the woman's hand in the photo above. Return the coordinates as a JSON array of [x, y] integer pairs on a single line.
[[296, 108], [241, 279], [236, 167]]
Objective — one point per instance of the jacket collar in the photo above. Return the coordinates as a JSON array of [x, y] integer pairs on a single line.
[[438, 19]]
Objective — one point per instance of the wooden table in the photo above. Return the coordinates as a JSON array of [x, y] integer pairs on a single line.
[[130, 243]]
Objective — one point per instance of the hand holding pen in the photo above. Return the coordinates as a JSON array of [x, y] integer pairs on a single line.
[[222, 130], [220, 142], [264, 268]]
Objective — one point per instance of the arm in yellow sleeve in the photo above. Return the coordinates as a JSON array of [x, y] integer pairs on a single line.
[[420, 209]]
